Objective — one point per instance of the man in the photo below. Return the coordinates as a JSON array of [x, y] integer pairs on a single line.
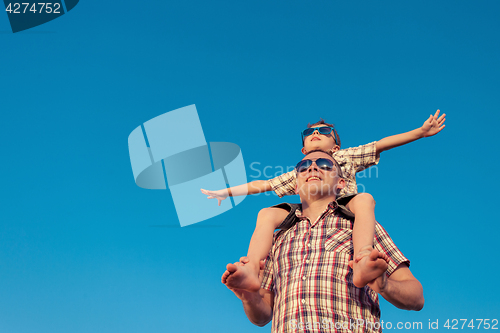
[[307, 284]]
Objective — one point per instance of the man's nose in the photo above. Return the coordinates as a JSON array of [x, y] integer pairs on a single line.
[[313, 167]]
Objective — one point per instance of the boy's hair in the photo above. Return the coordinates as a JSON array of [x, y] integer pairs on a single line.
[[337, 165], [323, 122]]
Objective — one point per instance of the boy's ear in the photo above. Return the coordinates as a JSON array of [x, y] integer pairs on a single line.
[[304, 151], [334, 149]]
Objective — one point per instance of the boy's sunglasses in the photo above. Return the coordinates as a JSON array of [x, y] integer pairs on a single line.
[[321, 130], [322, 163]]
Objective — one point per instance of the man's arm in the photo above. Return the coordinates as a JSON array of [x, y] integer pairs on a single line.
[[401, 289], [258, 306], [431, 127]]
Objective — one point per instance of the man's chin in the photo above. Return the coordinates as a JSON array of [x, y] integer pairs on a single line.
[[316, 188]]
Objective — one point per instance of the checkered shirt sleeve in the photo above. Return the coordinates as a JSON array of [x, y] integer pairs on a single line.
[[284, 184], [267, 280], [361, 157], [384, 243]]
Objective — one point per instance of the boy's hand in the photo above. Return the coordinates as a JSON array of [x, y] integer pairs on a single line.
[[433, 125], [219, 195]]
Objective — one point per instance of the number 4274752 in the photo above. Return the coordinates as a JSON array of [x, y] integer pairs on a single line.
[[486, 324], [35, 8]]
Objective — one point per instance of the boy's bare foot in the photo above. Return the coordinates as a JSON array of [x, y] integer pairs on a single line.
[[227, 273], [371, 265], [240, 276]]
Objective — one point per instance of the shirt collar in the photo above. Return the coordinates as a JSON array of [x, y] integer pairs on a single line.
[[332, 206]]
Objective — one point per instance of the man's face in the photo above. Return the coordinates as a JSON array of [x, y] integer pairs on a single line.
[[320, 141], [315, 181]]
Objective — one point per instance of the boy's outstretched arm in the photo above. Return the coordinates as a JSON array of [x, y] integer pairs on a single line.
[[257, 186], [431, 126]]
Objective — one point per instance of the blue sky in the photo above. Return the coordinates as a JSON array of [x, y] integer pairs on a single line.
[[83, 249]]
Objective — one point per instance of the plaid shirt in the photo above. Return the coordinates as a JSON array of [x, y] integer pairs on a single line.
[[351, 161], [307, 269]]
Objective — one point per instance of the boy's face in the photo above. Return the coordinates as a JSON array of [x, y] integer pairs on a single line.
[[319, 141]]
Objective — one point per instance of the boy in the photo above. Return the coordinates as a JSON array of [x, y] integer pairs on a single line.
[[368, 263]]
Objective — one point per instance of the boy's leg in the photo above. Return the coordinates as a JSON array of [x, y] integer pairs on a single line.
[[247, 276], [366, 266]]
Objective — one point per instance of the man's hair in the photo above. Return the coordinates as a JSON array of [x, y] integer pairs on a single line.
[[337, 165], [323, 122]]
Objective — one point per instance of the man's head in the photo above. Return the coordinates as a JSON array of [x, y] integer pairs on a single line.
[[318, 176], [320, 135]]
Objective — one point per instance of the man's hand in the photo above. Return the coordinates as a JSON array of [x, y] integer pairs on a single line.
[[433, 125], [219, 195], [378, 285]]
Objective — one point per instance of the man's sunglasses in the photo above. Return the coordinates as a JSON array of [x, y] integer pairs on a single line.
[[322, 163], [321, 130]]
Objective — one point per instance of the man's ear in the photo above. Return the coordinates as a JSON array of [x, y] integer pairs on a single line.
[[296, 186], [341, 183], [304, 151]]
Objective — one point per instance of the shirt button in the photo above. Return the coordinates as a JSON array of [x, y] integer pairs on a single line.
[[303, 278], [307, 261], [309, 244], [303, 301]]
